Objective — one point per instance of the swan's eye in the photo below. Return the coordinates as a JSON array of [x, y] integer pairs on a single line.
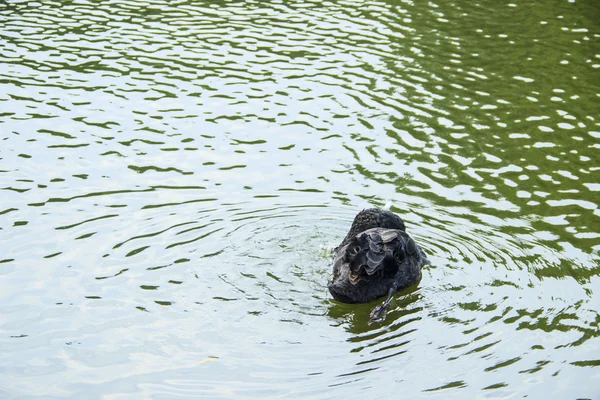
[[355, 250]]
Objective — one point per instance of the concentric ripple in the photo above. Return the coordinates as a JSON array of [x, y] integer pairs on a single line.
[[173, 173]]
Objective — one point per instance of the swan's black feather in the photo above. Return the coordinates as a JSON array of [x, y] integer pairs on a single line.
[[377, 257]]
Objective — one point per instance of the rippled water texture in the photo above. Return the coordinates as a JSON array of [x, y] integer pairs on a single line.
[[172, 174]]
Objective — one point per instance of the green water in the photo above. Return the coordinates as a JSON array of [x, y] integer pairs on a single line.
[[172, 174]]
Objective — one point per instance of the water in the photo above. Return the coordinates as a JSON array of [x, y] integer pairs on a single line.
[[173, 173]]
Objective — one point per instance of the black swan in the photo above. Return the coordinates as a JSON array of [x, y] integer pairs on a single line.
[[377, 257]]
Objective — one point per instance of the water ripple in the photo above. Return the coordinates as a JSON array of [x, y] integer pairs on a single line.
[[173, 173]]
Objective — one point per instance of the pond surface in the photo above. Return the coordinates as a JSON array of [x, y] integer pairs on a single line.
[[173, 174]]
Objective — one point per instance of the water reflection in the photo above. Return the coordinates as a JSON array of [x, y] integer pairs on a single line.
[[171, 172]]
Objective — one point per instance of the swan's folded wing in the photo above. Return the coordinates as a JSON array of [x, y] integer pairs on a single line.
[[368, 251]]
